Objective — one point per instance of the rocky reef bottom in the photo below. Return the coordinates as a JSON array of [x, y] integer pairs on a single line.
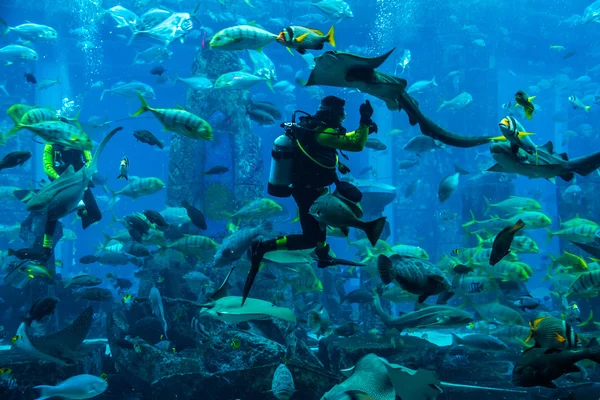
[[208, 359]]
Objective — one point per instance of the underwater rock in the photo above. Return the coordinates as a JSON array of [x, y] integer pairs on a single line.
[[29, 371], [338, 353], [381, 380], [232, 361], [234, 139]]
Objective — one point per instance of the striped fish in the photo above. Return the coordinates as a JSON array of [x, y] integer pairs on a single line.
[[16, 111], [585, 233], [242, 37], [532, 219], [195, 245], [520, 244], [283, 383], [550, 332], [573, 222], [302, 38], [58, 132], [37, 115], [178, 120], [238, 80], [483, 257], [139, 187], [588, 283], [509, 271], [414, 275]]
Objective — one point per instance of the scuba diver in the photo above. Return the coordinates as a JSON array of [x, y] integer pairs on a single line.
[[56, 160], [304, 164]]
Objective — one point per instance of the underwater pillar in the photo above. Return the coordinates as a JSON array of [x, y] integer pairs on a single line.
[[408, 214], [584, 205], [491, 186], [233, 146]]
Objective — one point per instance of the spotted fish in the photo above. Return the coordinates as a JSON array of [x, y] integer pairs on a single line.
[[283, 383], [414, 275]]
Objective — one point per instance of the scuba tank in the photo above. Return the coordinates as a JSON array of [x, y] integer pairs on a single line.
[[282, 166], [283, 153], [282, 160]]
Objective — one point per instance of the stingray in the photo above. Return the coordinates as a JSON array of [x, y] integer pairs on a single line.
[[227, 308], [59, 347], [230, 309], [61, 196], [349, 70], [434, 317], [383, 380]]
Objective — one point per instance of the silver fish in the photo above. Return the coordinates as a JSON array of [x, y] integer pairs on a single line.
[[449, 184], [263, 66], [422, 144], [157, 308], [153, 55], [331, 210], [421, 86], [123, 16], [235, 245], [176, 26], [460, 102], [130, 90], [17, 54], [337, 10], [29, 31]]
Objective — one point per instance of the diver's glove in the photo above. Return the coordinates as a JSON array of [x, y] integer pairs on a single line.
[[366, 112], [373, 128], [343, 168]]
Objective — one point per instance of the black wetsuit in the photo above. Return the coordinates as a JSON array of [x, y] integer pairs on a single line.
[[56, 161]]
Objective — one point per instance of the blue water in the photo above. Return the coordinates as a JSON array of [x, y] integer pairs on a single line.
[[516, 56]]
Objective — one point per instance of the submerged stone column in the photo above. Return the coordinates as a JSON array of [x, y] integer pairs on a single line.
[[234, 149], [233, 146]]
